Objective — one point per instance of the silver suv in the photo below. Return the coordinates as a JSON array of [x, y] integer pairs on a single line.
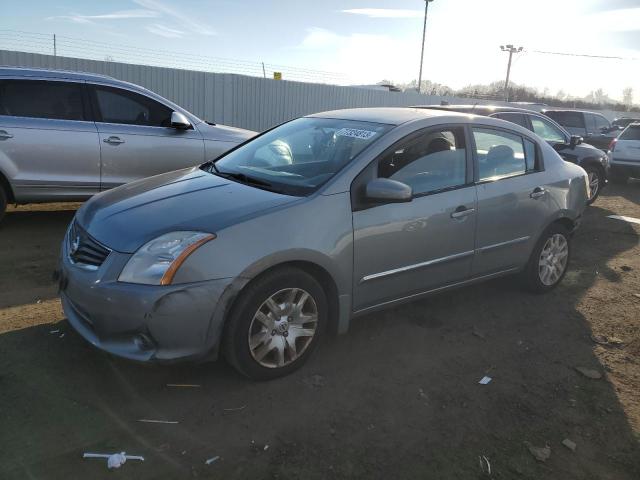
[[65, 136]]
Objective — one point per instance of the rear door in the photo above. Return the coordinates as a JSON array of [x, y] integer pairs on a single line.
[[402, 249], [48, 143], [513, 203], [136, 137]]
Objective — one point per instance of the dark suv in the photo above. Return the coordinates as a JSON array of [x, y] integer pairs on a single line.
[[570, 147], [593, 127]]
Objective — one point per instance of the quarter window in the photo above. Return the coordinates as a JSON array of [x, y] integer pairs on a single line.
[[501, 154], [430, 162], [547, 130], [41, 99], [122, 106]]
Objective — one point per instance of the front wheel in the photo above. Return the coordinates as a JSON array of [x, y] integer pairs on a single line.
[[596, 181], [276, 324], [3, 202], [549, 260]]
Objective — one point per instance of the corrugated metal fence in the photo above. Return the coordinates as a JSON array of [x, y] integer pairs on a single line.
[[248, 102]]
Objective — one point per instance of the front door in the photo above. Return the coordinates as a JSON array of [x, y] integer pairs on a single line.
[[136, 137], [404, 249], [513, 202]]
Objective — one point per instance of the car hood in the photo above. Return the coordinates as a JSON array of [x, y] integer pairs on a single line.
[[224, 133], [129, 216]]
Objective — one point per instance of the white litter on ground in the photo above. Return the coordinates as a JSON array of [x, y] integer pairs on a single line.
[[114, 460], [212, 460], [625, 219], [484, 380]]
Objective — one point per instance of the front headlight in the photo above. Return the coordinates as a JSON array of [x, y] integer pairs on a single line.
[[157, 262]]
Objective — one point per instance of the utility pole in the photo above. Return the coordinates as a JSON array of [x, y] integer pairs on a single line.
[[424, 31], [55, 50], [264, 73], [511, 49]]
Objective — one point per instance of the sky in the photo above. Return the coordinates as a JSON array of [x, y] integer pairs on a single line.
[[356, 41]]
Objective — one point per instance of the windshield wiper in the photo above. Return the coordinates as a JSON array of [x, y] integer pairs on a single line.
[[243, 178]]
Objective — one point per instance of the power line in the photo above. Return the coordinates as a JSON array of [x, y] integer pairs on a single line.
[[567, 54]]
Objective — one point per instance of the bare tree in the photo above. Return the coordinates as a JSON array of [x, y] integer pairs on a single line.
[[627, 97]]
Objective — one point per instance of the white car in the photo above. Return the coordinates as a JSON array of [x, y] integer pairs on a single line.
[[624, 154]]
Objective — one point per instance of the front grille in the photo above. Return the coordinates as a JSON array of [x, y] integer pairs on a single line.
[[84, 250]]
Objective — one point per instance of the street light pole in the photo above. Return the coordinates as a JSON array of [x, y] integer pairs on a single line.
[[511, 49], [424, 31]]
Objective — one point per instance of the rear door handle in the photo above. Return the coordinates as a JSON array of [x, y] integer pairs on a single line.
[[113, 140], [4, 135], [537, 192], [462, 212]]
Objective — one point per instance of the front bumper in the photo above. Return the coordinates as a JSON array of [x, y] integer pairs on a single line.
[[142, 322]]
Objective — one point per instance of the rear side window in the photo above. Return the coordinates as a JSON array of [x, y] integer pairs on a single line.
[[432, 161], [116, 105], [567, 119], [501, 154], [41, 99], [632, 132], [517, 118]]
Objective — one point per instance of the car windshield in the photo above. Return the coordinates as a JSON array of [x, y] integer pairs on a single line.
[[298, 157]]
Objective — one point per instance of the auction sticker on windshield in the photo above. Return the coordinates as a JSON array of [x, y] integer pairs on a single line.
[[355, 133]]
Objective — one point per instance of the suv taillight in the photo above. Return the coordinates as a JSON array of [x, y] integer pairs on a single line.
[[612, 145]]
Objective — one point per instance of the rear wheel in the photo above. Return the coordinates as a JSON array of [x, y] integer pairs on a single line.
[[596, 181], [549, 260], [3, 202], [276, 324]]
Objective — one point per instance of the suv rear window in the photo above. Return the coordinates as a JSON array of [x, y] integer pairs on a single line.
[[41, 99], [567, 119], [632, 132]]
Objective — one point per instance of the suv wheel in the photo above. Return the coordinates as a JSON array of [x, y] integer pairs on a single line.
[[3, 202], [596, 182], [549, 260], [277, 323]]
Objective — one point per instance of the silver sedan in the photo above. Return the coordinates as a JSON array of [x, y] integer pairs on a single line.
[[260, 253]]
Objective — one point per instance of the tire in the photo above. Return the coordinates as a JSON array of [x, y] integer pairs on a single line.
[[596, 182], [254, 320], [533, 274], [3, 202]]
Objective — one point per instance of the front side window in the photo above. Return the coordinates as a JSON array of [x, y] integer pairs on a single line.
[[517, 118], [41, 99], [601, 122], [501, 154], [547, 130], [430, 162], [568, 119], [116, 105], [298, 157]]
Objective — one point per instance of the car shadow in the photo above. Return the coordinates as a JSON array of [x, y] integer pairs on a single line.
[[396, 397]]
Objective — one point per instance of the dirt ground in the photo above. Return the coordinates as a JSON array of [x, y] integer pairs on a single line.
[[397, 397]]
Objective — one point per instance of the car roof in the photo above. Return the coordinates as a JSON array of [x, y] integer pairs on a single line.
[[478, 109], [53, 73], [548, 110], [386, 115]]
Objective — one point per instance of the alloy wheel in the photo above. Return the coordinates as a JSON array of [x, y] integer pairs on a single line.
[[594, 184], [553, 259], [283, 327]]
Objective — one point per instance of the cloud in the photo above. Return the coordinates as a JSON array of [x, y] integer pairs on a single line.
[[119, 15], [186, 21], [164, 31], [319, 38], [385, 12], [622, 20]]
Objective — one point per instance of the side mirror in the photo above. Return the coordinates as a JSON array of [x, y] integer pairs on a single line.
[[575, 141], [179, 121], [385, 190]]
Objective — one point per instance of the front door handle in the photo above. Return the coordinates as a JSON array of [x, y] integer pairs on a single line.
[[5, 135], [537, 192], [462, 212], [113, 140]]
